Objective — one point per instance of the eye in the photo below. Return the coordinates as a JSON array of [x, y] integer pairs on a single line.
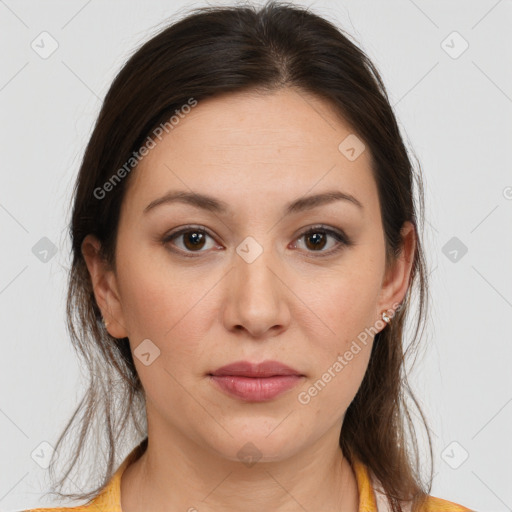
[[316, 239], [193, 239]]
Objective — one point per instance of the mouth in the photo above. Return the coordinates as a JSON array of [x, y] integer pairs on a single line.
[[253, 382]]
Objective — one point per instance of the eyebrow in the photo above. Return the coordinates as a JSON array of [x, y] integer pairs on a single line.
[[214, 205]]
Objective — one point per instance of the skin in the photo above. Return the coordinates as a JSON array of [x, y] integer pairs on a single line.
[[257, 153]]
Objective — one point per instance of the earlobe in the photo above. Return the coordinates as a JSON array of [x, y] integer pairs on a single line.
[[104, 285]]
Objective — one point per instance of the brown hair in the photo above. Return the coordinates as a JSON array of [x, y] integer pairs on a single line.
[[216, 50]]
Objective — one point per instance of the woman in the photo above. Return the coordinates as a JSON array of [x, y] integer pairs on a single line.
[[245, 245]]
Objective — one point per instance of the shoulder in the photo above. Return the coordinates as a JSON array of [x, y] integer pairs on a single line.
[[372, 497], [91, 506], [429, 504], [108, 499], [83, 508], [80, 508], [99, 503], [433, 504]]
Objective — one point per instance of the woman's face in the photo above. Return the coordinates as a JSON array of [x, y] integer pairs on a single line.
[[252, 287]]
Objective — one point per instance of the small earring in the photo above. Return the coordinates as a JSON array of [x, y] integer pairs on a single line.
[[385, 317], [105, 323]]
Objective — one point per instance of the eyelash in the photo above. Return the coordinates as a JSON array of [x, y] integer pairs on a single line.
[[342, 239]]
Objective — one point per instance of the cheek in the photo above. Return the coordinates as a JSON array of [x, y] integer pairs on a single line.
[[346, 301], [171, 307], [341, 356], [156, 297], [342, 339], [172, 312]]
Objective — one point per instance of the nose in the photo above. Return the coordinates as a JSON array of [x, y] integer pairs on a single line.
[[256, 296]]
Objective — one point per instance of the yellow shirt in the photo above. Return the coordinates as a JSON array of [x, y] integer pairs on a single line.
[[109, 499]]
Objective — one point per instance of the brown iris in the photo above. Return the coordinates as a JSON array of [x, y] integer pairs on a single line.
[[318, 240], [195, 239]]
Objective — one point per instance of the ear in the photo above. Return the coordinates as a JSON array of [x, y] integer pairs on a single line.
[[104, 283], [396, 279]]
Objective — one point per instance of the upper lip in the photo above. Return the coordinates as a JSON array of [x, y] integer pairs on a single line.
[[263, 369]]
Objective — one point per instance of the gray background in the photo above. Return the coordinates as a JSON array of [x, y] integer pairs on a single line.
[[454, 108]]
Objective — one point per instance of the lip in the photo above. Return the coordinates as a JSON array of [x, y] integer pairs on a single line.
[[256, 382], [247, 369]]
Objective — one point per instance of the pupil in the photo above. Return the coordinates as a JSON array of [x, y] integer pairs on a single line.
[[195, 239], [319, 238]]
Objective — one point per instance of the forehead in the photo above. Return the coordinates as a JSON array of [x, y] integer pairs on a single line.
[[251, 146]]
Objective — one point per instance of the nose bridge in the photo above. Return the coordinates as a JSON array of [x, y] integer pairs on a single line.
[[254, 264], [255, 297]]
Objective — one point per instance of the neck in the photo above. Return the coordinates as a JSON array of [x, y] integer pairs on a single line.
[[172, 475]]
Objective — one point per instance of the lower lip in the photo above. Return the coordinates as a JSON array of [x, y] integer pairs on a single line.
[[253, 389]]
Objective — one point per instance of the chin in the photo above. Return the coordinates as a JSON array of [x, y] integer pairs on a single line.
[[258, 441]]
